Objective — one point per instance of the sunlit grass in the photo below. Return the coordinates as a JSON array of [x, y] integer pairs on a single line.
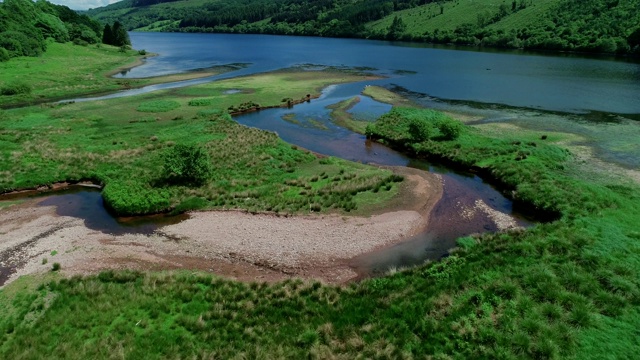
[[120, 143]]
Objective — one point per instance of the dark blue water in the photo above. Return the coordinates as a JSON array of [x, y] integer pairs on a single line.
[[569, 84]]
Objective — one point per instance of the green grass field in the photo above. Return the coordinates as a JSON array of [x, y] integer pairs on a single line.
[[66, 70], [121, 143]]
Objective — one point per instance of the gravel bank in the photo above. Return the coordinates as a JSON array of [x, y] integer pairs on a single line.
[[232, 244]]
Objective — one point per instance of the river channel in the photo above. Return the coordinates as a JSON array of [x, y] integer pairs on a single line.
[[482, 83]]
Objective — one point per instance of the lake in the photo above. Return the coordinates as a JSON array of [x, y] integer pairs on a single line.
[[558, 83]]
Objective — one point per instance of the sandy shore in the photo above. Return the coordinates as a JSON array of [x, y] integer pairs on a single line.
[[232, 244]]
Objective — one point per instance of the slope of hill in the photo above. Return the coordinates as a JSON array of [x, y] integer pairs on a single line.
[[25, 27], [601, 26]]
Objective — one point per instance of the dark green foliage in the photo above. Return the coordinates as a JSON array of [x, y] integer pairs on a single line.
[[15, 88], [56, 267], [397, 29], [115, 35], [4, 54], [634, 40], [187, 164], [574, 25], [107, 35]]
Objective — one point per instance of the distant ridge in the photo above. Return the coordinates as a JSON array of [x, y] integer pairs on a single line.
[[598, 26]]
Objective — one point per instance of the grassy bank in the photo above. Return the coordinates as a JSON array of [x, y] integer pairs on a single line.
[[123, 144], [67, 70], [566, 289], [64, 70]]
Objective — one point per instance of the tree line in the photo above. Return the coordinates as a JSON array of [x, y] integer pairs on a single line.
[[602, 26]]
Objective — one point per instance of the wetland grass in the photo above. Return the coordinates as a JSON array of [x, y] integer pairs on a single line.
[[551, 291], [111, 143], [563, 289]]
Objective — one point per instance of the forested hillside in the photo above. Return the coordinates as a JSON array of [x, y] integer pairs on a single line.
[[25, 27], [602, 26]]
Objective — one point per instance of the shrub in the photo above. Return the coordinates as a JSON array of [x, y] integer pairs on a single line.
[[187, 164], [55, 267], [450, 129], [419, 130], [16, 88], [200, 102], [134, 199]]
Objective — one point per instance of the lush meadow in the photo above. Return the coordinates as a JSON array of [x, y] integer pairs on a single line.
[[563, 289], [129, 144], [63, 71]]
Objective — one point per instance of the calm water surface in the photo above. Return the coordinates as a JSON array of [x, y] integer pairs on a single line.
[[560, 83]]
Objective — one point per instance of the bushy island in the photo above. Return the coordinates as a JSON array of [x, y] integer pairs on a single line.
[[563, 289]]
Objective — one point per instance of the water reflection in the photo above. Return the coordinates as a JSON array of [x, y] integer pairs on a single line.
[[87, 204]]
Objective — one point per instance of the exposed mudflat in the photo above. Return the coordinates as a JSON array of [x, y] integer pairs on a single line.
[[233, 244]]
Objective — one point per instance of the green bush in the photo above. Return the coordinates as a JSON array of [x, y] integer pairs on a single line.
[[16, 88], [187, 164], [200, 102], [55, 267], [419, 130], [135, 199], [158, 106], [450, 129]]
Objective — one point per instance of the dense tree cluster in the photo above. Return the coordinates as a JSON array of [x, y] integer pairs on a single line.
[[25, 27], [603, 26], [115, 35]]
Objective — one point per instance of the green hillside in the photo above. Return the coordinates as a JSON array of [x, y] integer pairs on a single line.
[[456, 14], [600, 26], [27, 27]]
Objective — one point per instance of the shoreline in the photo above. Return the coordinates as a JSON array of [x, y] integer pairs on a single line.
[[231, 244]]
